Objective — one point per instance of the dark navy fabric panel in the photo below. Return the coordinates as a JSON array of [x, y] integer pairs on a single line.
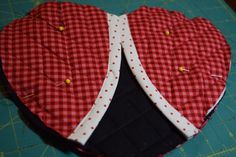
[[132, 125]]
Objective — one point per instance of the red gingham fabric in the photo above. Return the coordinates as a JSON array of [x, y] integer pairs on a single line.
[[37, 58], [193, 44]]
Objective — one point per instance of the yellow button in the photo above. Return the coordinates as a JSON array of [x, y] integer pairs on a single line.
[[167, 32], [181, 69], [68, 81], [61, 28]]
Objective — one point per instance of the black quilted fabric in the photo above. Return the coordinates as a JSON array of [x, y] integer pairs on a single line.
[[133, 126]]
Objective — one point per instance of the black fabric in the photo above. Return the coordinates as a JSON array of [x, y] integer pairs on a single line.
[[132, 125]]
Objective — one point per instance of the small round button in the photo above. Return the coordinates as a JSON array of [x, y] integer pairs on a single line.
[[61, 28], [68, 81], [167, 32]]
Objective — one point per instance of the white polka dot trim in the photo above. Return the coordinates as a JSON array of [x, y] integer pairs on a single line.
[[120, 36], [183, 124], [86, 127]]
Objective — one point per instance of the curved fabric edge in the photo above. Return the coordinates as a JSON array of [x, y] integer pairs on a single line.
[[88, 124], [221, 95], [174, 116], [217, 102]]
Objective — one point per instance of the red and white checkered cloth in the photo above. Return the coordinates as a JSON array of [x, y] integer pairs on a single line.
[[195, 45], [37, 58]]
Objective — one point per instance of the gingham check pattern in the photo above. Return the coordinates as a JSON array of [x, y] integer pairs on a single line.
[[37, 59], [193, 44]]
